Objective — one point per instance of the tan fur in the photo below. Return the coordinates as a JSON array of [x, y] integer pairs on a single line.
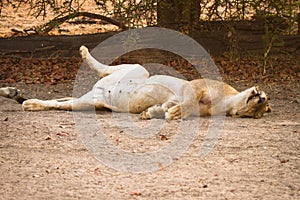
[[217, 97]]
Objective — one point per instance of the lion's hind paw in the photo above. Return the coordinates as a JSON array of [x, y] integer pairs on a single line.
[[83, 52]]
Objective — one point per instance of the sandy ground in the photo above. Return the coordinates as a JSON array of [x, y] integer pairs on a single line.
[[42, 155]]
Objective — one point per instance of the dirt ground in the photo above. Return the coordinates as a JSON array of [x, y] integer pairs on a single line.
[[42, 156]]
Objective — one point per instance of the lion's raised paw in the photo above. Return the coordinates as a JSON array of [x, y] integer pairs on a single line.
[[83, 52]]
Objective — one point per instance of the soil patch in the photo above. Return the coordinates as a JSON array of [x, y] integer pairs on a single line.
[[43, 157]]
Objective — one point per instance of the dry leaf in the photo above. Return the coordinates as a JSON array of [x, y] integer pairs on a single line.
[[48, 137], [135, 193], [163, 137], [63, 134]]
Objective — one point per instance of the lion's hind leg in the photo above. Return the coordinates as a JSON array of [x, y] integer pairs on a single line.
[[86, 102], [57, 104], [104, 70], [40, 105], [98, 67], [12, 93]]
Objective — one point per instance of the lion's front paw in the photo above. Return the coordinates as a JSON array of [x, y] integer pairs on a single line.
[[174, 113], [256, 90], [155, 111], [83, 52], [253, 93], [144, 115], [33, 105]]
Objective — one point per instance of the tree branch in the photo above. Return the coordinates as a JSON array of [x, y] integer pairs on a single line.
[[46, 28]]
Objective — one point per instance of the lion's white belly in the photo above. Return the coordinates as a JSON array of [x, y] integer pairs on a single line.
[[115, 89], [135, 93], [175, 85]]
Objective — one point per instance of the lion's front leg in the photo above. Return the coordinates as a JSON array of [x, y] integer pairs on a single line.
[[174, 113], [180, 111], [162, 111], [171, 110], [184, 108], [155, 111], [180, 105]]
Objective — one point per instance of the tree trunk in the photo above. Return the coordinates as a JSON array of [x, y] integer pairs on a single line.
[[298, 23], [180, 15]]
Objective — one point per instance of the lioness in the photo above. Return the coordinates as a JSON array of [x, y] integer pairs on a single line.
[[128, 88]]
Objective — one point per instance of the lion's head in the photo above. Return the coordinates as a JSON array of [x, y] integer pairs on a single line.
[[257, 103]]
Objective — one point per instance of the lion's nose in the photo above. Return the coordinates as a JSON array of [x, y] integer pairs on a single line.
[[261, 99]]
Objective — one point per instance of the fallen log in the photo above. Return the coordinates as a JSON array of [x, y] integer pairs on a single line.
[[216, 43]]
